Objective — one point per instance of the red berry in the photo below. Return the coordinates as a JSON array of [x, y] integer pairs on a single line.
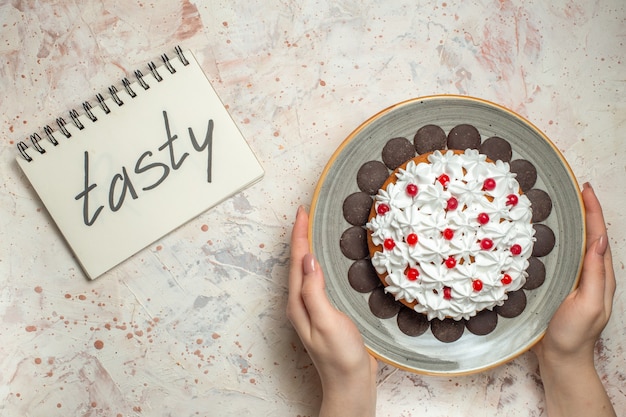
[[506, 279], [389, 244], [489, 184], [450, 262], [411, 190], [452, 203], [447, 293], [412, 274], [512, 200], [486, 243], [382, 209], [448, 234], [477, 285], [516, 249], [411, 239], [444, 179], [483, 218]]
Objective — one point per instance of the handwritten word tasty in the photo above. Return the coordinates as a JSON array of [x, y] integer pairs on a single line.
[[124, 183]]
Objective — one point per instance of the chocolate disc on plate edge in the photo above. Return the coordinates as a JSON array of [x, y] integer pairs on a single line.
[[541, 204], [526, 173], [397, 151], [429, 138], [496, 148], [353, 243], [447, 330], [514, 305], [356, 208], [545, 240], [371, 176], [464, 136], [362, 276], [484, 322], [536, 274], [383, 305], [412, 323]]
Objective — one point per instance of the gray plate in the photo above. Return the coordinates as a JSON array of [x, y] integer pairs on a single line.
[[469, 354]]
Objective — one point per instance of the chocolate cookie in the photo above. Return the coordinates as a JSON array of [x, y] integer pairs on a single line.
[[484, 322], [514, 305], [362, 276], [353, 243], [447, 330], [464, 137], [541, 204], [496, 148], [429, 138], [371, 176], [382, 304], [536, 274], [356, 208], [397, 151], [545, 240], [526, 173], [412, 323]]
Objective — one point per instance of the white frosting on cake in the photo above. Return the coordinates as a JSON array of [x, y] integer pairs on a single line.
[[442, 289]]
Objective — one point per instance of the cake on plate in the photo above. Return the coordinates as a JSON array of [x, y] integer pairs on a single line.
[[446, 232], [450, 234]]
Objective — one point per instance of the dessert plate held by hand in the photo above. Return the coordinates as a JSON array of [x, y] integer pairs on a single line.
[[512, 336]]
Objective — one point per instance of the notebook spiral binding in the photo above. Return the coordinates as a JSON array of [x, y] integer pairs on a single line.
[[35, 138]]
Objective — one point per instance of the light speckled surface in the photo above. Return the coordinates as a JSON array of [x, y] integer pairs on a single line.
[[195, 324]]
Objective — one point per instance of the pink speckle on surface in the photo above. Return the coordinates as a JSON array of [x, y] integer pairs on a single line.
[[191, 21]]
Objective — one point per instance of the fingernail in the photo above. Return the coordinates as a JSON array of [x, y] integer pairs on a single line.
[[602, 244], [301, 209], [308, 263], [587, 185]]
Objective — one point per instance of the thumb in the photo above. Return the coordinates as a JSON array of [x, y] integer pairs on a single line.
[[593, 277], [313, 291]]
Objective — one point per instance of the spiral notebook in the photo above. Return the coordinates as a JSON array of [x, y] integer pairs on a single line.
[[144, 158]]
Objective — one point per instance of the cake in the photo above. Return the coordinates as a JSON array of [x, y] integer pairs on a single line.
[[450, 234], [431, 146]]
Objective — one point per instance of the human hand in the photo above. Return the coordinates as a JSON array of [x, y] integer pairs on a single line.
[[577, 324], [566, 352], [346, 370]]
